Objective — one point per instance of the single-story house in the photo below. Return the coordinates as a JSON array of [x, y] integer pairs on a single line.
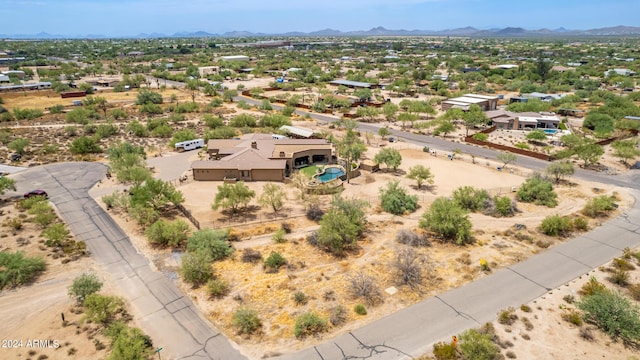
[[4, 78], [543, 97], [622, 72], [297, 132], [509, 120], [235, 58], [17, 73], [260, 157], [353, 84], [486, 102]]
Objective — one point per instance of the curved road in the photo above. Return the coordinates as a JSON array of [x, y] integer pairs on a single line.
[[169, 317]]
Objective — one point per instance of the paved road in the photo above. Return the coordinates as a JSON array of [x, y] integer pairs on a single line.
[[164, 313], [412, 331]]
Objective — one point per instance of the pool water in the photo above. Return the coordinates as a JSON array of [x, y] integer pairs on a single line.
[[550, 131], [330, 174]]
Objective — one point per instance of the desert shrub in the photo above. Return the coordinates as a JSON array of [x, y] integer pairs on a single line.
[[470, 198], [14, 223], [246, 321], [538, 190], [593, 286], [478, 346], [55, 234], [286, 227], [569, 299], [580, 224], [17, 269], [444, 351], [308, 324], [278, 236], [338, 315], [507, 316], [212, 243], [85, 145], [614, 314], [395, 200], [251, 256], [360, 309], [599, 206], [572, 316], [168, 233], [83, 286], [412, 238], [217, 288], [501, 206], [274, 261], [314, 213], [556, 225], [634, 291], [448, 220], [619, 277], [131, 343], [196, 268], [103, 309], [480, 136], [341, 225], [525, 308], [363, 286], [312, 239], [408, 265], [300, 298]]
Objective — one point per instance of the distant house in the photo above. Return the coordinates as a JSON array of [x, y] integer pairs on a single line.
[[509, 120], [485, 102], [260, 157], [561, 69], [235, 58], [17, 73], [135, 53], [354, 84], [507, 66], [207, 70], [543, 97], [4, 78], [470, 69], [297, 132], [622, 72]]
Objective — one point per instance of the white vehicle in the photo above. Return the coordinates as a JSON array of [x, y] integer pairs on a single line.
[[189, 145]]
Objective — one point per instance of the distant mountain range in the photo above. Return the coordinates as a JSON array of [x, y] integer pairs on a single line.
[[377, 31]]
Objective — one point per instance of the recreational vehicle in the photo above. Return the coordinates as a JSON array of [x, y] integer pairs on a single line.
[[189, 145]]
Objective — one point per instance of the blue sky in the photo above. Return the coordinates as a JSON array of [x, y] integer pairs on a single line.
[[131, 17]]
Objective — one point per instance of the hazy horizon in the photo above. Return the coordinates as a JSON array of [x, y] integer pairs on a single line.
[[131, 17]]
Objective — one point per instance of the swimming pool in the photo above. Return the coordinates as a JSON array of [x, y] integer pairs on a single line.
[[550, 131], [330, 173]]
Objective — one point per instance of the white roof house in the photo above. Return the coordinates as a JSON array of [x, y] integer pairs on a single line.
[[623, 72], [235, 58]]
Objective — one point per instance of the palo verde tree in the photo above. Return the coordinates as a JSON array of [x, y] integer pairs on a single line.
[[232, 196], [421, 174], [560, 169], [342, 225], [272, 196], [474, 117], [395, 200], [7, 184], [351, 149], [506, 158], [448, 220], [390, 157]]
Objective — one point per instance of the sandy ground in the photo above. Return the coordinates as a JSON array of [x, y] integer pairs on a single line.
[[325, 279]]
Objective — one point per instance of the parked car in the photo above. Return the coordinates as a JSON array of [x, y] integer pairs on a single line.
[[33, 193], [392, 139]]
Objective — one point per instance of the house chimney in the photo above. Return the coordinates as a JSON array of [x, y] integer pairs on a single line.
[[254, 145]]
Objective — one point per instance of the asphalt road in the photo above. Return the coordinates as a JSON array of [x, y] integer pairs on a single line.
[[169, 317]]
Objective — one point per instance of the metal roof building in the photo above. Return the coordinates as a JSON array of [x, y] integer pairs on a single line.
[[353, 84]]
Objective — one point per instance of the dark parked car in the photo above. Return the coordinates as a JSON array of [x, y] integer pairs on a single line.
[[36, 193]]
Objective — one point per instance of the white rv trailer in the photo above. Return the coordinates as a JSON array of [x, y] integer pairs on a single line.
[[189, 145]]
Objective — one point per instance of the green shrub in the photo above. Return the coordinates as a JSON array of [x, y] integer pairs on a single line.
[[593, 286], [507, 316], [538, 190], [166, 233], [85, 145], [17, 269], [217, 288], [309, 324], [103, 309], [55, 234], [196, 268], [395, 200], [556, 225], [470, 198], [278, 236], [523, 146], [246, 321], [444, 351], [83, 286], [448, 220], [503, 206], [614, 314], [300, 298], [619, 277], [580, 224], [360, 309], [480, 136], [274, 261], [212, 243], [478, 346], [599, 206], [56, 109], [131, 343]]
